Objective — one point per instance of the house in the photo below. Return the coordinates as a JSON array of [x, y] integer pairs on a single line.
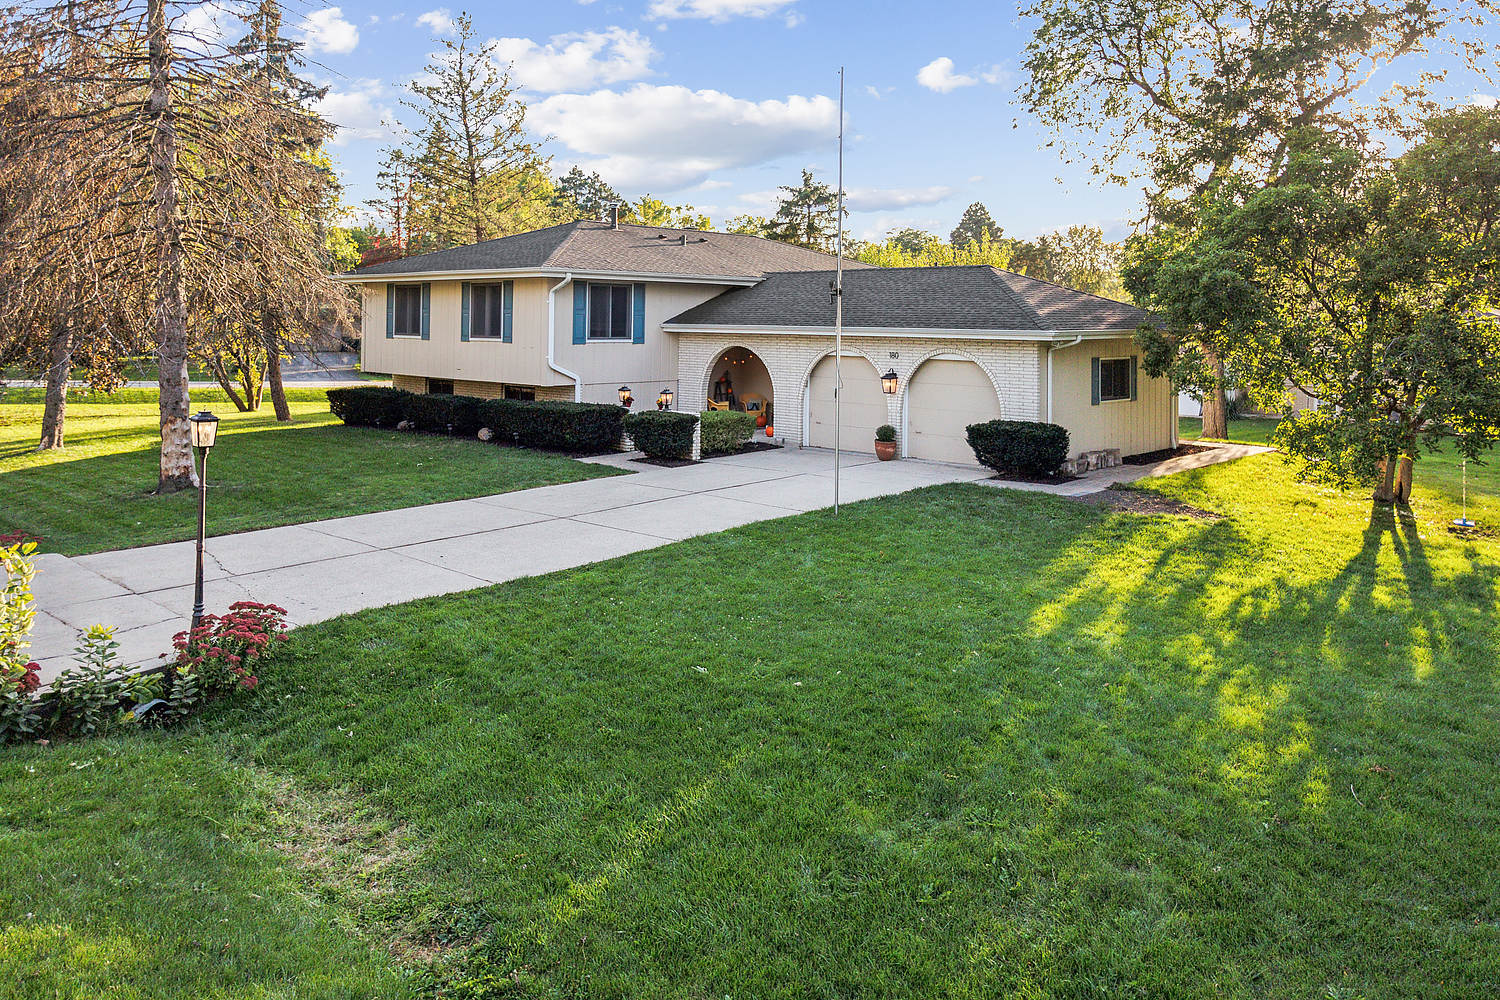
[[579, 310]]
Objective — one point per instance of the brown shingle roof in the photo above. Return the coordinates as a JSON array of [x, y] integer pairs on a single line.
[[916, 298], [596, 246]]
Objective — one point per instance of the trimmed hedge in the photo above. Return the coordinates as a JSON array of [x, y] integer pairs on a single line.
[[1019, 446], [549, 424], [554, 424], [369, 405], [726, 430], [662, 433]]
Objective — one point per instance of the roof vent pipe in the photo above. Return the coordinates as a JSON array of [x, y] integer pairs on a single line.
[[684, 239], [614, 216]]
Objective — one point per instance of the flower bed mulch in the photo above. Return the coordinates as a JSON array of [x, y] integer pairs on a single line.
[[665, 463], [1161, 455], [743, 449]]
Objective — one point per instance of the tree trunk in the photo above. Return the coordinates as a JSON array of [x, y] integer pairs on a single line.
[[1216, 405], [177, 470], [273, 374], [59, 367], [1385, 481], [1402, 491]]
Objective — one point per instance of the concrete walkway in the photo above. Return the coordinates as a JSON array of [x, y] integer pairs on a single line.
[[327, 568]]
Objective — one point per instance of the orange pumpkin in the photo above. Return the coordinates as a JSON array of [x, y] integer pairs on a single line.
[[770, 431]]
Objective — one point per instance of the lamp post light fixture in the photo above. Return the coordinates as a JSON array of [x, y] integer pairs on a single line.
[[626, 399], [889, 382], [205, 431], [664, 399]]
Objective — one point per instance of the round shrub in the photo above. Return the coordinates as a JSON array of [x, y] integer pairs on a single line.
[[1019, 446], [662, 433], [725, 430]]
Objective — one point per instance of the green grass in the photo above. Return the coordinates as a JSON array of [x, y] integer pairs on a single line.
[[202, 395], [963, 742], [1242, 430], [95, 494]]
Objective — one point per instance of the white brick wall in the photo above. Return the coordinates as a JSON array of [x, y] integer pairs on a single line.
[[1013, 367]]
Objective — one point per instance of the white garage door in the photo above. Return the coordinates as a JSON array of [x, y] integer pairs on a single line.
[[864, 405], [945, 397]]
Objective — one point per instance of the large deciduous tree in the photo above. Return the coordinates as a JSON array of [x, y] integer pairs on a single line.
[[1368, 283], [1184, 94], [178, 167]]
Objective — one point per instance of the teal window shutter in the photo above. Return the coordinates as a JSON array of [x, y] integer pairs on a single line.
[[390, 310], [509, 310], [580, 312], [1134, 358], [463, 320], [638, 314], [426, 310], [1094, 364]]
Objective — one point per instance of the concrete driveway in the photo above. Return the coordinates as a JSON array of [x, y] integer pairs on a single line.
[[327, 568]]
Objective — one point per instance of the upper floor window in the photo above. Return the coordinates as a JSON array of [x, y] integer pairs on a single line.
[[1114, 379], [487, 311], [407, 317], [609, 312]]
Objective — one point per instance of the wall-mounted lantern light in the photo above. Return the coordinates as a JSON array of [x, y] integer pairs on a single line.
[[664, 400], [626, 399], [889, 383]]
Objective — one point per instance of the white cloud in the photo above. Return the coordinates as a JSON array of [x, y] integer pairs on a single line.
[[326, 30], [577, 61], [794, 18], [358, 112], [886, 199], [717, 11], [1484, 100], [712, 185], [440, 21], [997, 74], [665, 138], [206, 25], [938, 75]]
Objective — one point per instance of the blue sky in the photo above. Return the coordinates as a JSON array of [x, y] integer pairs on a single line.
[[717, 102]]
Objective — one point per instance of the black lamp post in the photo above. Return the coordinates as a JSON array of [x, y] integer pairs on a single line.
[[205, 428], [664, 399], [626, 399]]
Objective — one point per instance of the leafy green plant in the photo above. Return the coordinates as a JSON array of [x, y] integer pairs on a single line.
[[725, 430], [1019, 446], [19, 714], [662, 433], [885, 432], [94, 697]]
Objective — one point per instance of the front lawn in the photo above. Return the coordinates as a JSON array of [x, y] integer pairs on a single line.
[[964, 742], [96, 493]]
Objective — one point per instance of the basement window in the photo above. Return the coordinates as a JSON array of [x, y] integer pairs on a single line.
[[440, 387]]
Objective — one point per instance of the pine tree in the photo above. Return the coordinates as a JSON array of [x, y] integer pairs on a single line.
[[584, 196], [807, 215], [975, 226], [478, 171]]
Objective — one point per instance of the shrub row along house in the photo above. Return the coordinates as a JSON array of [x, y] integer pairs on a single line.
[[580, 310]]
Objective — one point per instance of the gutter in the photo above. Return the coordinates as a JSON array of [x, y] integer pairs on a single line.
[[552, 338], [737, 280], [1056, 347]]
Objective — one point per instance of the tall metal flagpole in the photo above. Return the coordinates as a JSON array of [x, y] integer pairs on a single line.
[[838, 310]]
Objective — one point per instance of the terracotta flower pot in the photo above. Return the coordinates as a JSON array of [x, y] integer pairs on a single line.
[[885, 450]]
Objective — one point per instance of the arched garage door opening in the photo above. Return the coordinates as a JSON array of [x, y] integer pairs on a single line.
[[863, 410], [944, 397]]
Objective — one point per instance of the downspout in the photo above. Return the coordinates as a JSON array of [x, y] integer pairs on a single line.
[[552, 338], [1056, 347]]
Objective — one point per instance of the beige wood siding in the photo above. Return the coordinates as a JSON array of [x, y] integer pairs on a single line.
[[944, 398], [601, 367], [864, 405], [1133, 426]]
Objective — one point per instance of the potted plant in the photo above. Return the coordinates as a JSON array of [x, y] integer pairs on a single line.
[[885, 442]]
